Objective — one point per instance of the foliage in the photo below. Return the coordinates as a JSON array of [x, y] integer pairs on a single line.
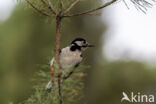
[[63, 5], [141, 5], [41, 5], [72, 88]]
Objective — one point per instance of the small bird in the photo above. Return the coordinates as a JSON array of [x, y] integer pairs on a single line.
[[70, 57]]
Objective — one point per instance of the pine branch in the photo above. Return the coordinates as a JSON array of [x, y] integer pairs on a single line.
[[125, 4], [49, 5], [38, 10], [61, 7], [71, 6], [92, 10], [142, 4]]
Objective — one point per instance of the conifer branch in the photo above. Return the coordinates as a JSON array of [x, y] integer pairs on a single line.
[[142, 5], [38, 10], [49, 5], [71, 6], [92, 10]]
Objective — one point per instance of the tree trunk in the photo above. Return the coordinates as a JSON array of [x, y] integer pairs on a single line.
[[58, 40], [57, 54]]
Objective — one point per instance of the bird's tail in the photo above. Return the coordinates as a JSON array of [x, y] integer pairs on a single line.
[[50, 83], [49, 86]]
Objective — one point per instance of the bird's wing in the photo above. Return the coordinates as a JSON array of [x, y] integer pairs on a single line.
[[49, 86], [77, 65], [53, 59]]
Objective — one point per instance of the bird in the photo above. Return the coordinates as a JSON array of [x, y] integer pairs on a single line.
[[70, 57]]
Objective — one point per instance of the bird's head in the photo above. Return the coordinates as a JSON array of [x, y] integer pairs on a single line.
[[80, 44]]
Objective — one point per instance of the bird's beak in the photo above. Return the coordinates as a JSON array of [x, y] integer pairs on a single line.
[[90, 45]]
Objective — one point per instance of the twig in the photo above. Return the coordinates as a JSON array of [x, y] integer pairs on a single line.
[[61, 7], [50, 6], [139, 7], [68, 75], [126, 4], [94, 14], [92, 10], [62, 4], [59, 88], [38, 10], [71, 6]]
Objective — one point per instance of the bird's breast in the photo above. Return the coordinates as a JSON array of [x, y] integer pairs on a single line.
[[69, 59]]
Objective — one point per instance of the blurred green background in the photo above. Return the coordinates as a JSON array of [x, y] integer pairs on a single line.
[[27, 40]]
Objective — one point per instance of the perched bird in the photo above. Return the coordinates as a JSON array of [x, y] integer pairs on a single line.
[[70, 56]]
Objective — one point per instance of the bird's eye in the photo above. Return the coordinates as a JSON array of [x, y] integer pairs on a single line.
[[84, 42]]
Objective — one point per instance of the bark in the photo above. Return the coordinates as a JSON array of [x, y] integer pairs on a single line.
[[58, 40]]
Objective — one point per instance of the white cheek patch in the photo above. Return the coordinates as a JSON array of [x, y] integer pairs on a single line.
[[79, 43]]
